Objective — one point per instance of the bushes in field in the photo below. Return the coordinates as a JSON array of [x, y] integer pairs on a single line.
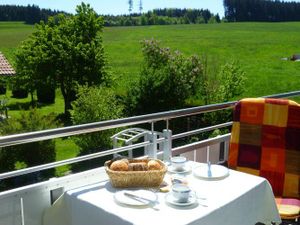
[[45, 93], [167, 80], [95, 104], [223, 85], [19, 93], [2, 87]]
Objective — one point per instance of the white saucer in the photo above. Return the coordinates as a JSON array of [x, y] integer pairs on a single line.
[[186, 169], [120, 197], [218, 172], [171, 200]]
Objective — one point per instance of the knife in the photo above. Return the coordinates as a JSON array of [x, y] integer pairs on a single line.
[[139, 198]]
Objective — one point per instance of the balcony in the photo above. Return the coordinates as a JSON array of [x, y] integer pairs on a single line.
[[26, 205]]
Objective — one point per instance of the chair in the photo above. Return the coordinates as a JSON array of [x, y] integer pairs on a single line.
[[265, 141]]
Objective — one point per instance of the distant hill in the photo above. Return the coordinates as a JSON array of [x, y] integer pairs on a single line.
[[31, 14]]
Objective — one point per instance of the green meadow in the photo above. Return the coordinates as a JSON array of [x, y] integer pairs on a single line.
[[11, 35], [258, 47]]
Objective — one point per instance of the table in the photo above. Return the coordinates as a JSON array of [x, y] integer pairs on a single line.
[[238, 199]]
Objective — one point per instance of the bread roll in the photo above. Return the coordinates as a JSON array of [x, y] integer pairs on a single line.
[[119, 165], [141, 166], [154, 165], [125, 160]]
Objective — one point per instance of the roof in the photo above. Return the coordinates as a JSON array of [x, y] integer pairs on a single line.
[[5, 68]]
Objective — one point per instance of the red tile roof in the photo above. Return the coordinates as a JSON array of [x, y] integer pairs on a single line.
[[5, 68]]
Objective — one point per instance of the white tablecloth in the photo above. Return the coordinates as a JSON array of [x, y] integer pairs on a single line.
[[239, 199]]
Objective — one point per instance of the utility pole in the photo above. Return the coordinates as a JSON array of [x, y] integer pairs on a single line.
[[141, 6], [130, 3]]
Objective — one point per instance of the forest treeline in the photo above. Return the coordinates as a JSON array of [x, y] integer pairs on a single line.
[[261, 10], [235, 11], [32, 14], [163, 17]]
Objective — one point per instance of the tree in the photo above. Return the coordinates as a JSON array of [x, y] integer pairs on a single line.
[[218, 20], [65, 51]]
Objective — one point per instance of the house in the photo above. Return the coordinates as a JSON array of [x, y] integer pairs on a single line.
[[5, 68]]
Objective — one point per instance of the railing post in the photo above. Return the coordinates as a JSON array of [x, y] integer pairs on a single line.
[[167, 144], [115, 145], [152, 150], [22, 211], [147, 138], [130, 154]]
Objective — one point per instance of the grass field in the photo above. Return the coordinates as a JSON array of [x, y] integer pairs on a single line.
[[258, 47], [11, 35]]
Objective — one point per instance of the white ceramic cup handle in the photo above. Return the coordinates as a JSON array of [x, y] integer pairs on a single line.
[[193, 193]]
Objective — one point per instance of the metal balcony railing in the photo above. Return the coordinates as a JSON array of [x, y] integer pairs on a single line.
[[166, 140]]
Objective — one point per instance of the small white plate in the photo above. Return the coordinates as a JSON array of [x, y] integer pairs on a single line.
[[186, 169], [120, 197], [218, 172], [171, 200]]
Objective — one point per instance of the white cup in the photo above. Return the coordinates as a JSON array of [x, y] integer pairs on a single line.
[[181, 193], [178, 163]]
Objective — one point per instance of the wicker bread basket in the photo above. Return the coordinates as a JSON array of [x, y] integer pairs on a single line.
[[150, 178]]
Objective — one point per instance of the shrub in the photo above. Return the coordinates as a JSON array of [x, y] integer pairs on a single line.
[[3, 108], [19, 93], [167, 80], [2, 88], [95, 104], [228, 83], [45, 94], [4, 81]]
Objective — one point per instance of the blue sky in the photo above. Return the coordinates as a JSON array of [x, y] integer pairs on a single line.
[[121, 6]]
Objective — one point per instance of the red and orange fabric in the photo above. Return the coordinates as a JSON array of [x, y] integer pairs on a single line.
[[265, 141]]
